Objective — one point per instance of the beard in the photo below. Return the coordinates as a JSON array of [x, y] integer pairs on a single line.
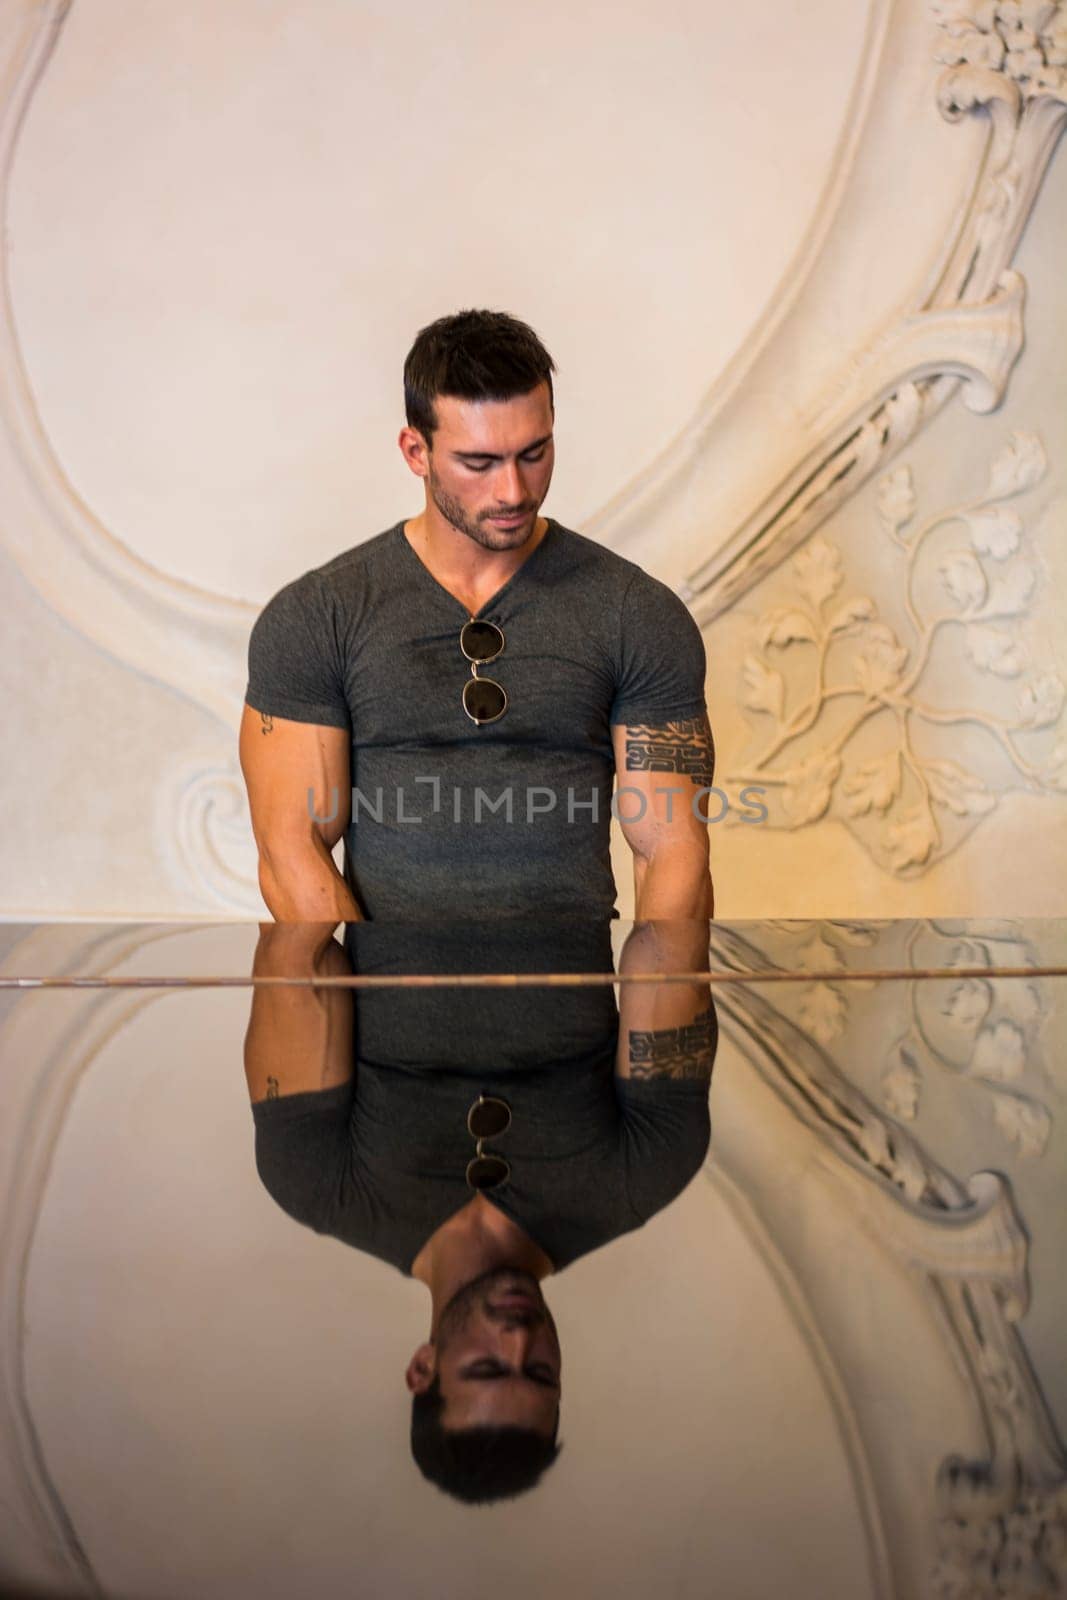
[[485, 534], [457, 1312]]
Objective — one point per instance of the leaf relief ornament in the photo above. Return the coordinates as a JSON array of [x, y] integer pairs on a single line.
[[848, 717]]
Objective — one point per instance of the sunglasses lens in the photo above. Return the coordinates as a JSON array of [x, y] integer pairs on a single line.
[[481, 641], [488, 1118], [483, 700], [487, 1172]]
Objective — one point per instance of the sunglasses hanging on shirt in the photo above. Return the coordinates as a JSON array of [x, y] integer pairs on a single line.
[[484, 700], [487, 1118]]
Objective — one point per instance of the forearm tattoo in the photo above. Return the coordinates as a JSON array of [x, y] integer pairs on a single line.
[[685, 747], [685, 1052], [267, 722]]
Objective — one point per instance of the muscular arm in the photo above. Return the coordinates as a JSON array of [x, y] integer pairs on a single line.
[[282, 761], [663, 768], [666, 1030], [299, 1037]]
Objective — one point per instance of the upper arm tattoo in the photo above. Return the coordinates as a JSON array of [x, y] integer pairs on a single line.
[[267, 722], [684, 1052], [684, 746]]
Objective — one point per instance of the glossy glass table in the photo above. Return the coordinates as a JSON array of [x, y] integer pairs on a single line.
[[752, 1235]]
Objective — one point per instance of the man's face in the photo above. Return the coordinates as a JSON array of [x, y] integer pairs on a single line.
[[498, 1355], [490, 458]]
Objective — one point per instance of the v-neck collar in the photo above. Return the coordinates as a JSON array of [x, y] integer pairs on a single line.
[[493, 598]]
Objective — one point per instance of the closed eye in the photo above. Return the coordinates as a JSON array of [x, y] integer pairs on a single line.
[[487, 1368], [485, 468]]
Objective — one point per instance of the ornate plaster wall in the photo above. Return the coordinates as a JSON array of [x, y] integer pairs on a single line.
[[817, 255]]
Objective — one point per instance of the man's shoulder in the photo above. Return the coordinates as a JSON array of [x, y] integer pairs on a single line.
[[358, 559], [650, 603], [591, 555], [338, 575]]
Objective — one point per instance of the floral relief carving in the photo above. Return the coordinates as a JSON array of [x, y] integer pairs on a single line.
[[1002, 1533], [1006, 62], [1001, 1514], [983, 1029], [827, 946], [1026, 40], [852, 672]]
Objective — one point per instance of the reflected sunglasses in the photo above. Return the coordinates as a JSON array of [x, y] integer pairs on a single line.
[[487, 1118], [484, 700]]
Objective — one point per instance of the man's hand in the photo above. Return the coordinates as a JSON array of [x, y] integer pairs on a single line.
[[296, 773], [661, 771]]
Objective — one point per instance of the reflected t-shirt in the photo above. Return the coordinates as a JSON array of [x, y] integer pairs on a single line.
[[380, 1162], [447, 816]]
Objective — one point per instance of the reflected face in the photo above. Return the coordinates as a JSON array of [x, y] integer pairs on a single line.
[[498, 1355], [491, 458]]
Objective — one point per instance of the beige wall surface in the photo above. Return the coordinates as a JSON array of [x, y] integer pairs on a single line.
[[224, 1360], [768, 1382], [799, 270]]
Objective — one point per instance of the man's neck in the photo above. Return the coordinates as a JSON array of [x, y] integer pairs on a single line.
[[475, 1240], [462, 565]]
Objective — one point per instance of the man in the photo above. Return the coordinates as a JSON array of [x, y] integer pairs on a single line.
[[480, 1140], [455, 695]]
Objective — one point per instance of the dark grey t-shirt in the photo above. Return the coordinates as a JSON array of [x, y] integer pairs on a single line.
[[381, 1162], [449, 817]]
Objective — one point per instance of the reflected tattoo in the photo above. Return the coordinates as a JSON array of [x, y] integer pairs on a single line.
[[267, 722], [272, 1088], [684, 1052], [685, 746]]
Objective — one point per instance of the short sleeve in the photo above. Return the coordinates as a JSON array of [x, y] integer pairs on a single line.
[[662, 662], [667, 1129], [303, 1151], [295, 668]]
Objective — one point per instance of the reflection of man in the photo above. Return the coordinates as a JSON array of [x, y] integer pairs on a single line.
[[457, 693], [480, 1145], [486, 1383]]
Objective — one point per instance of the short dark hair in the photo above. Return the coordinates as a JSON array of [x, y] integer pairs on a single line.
[[479, 1464], [473, 355]]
